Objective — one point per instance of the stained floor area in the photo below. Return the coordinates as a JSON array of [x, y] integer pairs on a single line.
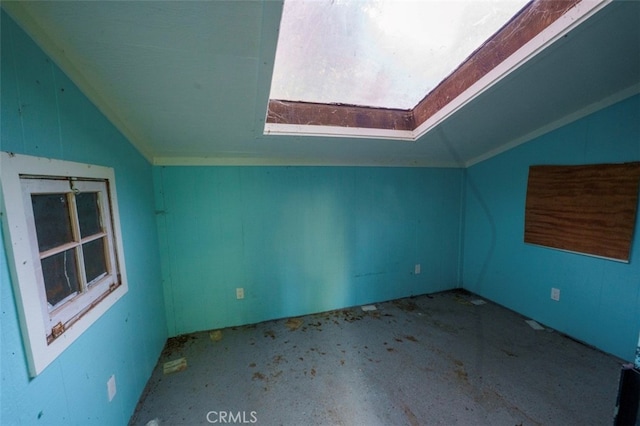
[[432, 359]]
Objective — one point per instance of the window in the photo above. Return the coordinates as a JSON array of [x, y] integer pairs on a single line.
[[62, 230]]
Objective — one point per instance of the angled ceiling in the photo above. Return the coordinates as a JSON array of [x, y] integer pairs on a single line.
[[188, 83]]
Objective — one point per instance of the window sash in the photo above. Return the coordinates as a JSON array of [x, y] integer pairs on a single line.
[[71, 308]]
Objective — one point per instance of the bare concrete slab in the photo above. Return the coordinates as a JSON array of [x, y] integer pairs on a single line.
[[432, 359]]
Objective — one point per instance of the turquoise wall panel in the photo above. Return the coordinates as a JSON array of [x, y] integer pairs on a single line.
[[600, 299], [301, 239], [44, 114]]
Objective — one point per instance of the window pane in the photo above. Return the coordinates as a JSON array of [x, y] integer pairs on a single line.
[[53, 226], [94, 259], [88, 213], [60, 276]]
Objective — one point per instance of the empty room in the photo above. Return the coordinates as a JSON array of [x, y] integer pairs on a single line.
[[331, 212]]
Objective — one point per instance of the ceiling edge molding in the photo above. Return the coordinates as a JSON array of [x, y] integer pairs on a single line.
[[253, 161], [63, 58], [574, 116], [281, 129]]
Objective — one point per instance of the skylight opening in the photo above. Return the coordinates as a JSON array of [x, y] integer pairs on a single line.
[[396, 69], [378, 53]]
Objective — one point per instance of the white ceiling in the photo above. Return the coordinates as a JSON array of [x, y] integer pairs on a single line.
[[188, 83]]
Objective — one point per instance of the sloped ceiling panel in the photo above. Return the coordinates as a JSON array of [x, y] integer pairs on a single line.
[[188, 83]]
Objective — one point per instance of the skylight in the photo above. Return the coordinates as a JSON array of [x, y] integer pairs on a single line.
[[358, 68], [378, 53]]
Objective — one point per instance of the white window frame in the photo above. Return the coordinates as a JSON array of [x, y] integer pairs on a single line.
[[48, 331]]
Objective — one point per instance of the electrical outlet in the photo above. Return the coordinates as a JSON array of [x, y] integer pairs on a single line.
[[416, 269], [555, 294], [111, 387], [239, 293]]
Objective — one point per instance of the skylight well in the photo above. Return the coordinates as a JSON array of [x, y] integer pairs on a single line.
[[378, 53], [391, 65]]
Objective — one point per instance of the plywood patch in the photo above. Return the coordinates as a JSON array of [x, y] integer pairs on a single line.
[[588, 209]]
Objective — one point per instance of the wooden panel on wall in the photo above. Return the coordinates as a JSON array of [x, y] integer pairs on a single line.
[[588, 209]]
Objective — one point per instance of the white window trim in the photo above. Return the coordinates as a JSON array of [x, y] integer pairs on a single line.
[[26, 275]]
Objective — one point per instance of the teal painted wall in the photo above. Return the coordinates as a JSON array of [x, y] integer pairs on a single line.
[[301, 239], [600, 299], [44, 114]]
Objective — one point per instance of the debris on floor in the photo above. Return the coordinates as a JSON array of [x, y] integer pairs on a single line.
[[478, 302], [367, 308], [406, 305], [293, 323], [177, 344], [462, 300], [174, 366], [533, 324], [215, 335], [475, 357]]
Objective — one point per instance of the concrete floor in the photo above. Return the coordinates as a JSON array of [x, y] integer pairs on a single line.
[[433, 359]]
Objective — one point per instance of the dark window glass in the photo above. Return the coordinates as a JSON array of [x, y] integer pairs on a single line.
[[94, 259], [88, 213], [60, 276], [53, 226]]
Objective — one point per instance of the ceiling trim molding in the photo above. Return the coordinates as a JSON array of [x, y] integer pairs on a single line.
[[296, 162], [337, 131]]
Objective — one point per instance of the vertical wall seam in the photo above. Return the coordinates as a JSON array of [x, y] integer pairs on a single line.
[[462, 227], [169, 270], [65, 392], [17, 84], [55, 92], [165, 273]]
